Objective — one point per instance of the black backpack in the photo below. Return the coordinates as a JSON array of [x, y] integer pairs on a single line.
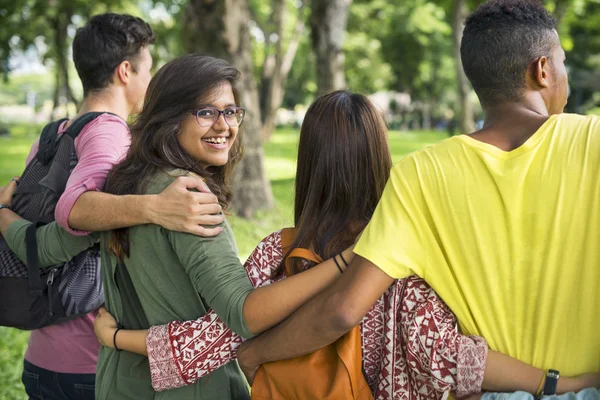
[[32, 297]]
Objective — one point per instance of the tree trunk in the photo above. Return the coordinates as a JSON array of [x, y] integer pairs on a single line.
[[60, 24], [328, 26], [220, 28], [278, 65], [465, 112], [55, 95], [271, 74]]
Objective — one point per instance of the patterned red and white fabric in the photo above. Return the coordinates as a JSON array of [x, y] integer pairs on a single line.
[[411, 345]]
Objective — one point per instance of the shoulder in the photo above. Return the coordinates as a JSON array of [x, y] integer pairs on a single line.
[[106, 132], [578, 123], [264, 260], [423, 162], [106, 123], [163, 178], [576, 118], [269, 247], [273, 240]]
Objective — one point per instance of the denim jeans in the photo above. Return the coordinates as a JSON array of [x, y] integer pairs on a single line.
[[587, 394], [41, 384]]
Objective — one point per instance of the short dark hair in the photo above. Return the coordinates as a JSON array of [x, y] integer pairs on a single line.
[[103, 43], [501, 38]]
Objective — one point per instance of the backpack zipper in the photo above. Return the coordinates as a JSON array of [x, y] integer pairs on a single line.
[[49, 282]]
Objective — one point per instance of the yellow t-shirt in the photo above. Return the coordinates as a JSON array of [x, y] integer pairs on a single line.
[[509, 240]]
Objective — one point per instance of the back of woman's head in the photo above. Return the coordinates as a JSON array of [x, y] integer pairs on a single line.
[[343, 166], [178, 88]]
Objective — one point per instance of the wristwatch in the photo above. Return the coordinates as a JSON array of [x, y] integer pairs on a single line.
[[551, 381], [4, 206]]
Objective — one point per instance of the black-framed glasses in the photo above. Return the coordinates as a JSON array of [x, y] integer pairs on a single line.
[[208, 116]]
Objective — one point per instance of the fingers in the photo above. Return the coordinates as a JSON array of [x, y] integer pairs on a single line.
[[210, 219], [204, 209], [204, 198], [191, 182], [204, 232]]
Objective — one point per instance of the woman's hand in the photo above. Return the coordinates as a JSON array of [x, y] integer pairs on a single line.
[[7, 192], [105, 326]]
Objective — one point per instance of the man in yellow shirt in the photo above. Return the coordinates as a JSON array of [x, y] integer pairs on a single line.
[[504, 223]]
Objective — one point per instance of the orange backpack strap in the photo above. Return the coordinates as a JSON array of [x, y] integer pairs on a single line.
[[288, 235]]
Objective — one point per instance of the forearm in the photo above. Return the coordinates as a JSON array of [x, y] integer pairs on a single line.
[[7, 217], [321, 321], [507, 374], [302, 332], [133, 341], [268, 305], [98, 211]]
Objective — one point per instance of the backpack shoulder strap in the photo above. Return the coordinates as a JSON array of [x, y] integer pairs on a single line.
[[288, 235], [47, 144], [33, 262], [75, 128], [133, 316], [306, 254]]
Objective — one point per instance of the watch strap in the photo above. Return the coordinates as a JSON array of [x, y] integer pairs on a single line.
[[551, 382]]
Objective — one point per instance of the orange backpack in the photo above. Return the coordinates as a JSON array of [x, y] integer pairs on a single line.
[[333, 372]]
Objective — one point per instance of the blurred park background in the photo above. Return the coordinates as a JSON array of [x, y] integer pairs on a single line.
[[402, 53]]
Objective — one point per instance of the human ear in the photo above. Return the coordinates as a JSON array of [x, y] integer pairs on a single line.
[[123, 71], [541, 71]]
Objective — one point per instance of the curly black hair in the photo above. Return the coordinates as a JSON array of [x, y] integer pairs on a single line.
[[501, 38], [103, 43]]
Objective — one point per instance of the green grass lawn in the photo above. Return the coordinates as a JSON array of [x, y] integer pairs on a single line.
[[281, 153]]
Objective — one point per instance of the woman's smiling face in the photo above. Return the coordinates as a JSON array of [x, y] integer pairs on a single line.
[[204, 141]]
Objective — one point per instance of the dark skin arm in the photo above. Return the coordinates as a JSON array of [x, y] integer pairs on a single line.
[[342, 306], [321, 321]]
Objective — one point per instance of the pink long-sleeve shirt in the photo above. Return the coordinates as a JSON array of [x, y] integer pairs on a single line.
[[72, 346]]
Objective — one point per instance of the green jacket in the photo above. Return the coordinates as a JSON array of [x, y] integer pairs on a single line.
[[167, 276]]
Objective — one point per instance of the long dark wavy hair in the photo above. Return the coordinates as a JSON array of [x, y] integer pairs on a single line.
[[181, 85], [343, 165]]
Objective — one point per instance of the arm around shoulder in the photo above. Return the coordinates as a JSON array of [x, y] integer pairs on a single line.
[[175, 208], [322, 320]]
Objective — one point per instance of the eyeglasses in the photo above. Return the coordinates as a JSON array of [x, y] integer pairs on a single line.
[[207, 117]]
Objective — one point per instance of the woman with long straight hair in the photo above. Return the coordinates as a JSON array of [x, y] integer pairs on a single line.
[[411, 345]]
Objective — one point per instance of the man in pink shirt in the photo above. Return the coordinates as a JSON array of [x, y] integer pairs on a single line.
[[113, 62]]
